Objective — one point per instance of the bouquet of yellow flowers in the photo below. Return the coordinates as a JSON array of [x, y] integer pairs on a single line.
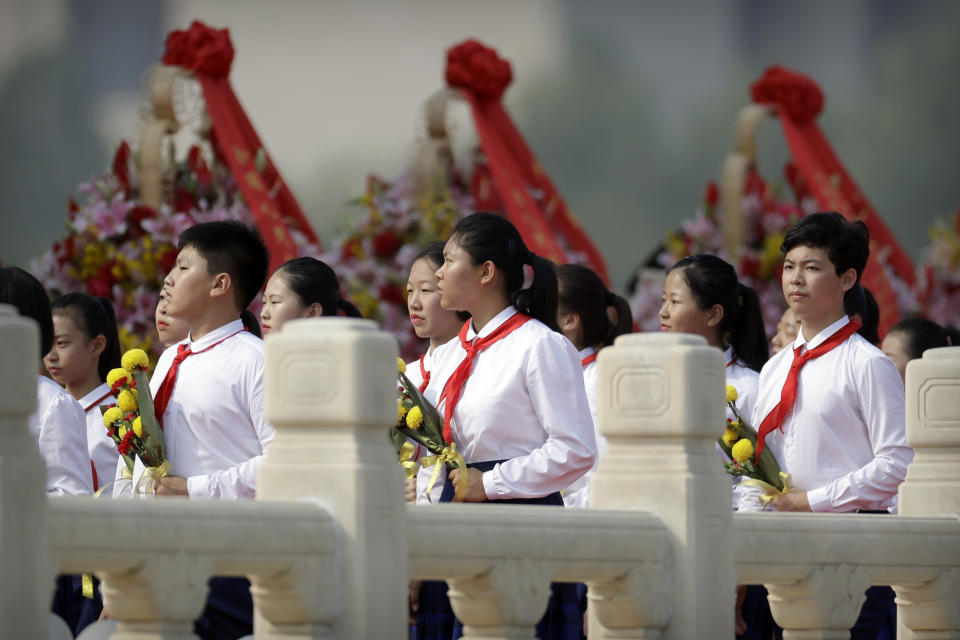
[[419, 421], [131, 422], [739, 442]]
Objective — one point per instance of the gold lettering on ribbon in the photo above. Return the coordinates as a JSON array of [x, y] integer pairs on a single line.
[[241, 154], [254, 181]]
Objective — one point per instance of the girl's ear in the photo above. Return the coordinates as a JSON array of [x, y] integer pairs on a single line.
[[97, 345], [315, 310], [715, 316], [488, 271]]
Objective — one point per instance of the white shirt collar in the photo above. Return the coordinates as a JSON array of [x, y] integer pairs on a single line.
[[492, 325], [821, 337], [216, 335], [96, 394], [588, 351]]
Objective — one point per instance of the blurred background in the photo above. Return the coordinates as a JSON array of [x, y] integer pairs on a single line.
[[630, 106]]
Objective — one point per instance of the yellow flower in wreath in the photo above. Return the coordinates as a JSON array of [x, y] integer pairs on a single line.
[[731, 393], [401, 365], [401, 410], [135, 359], [138, 427], [116, 376], [414, 418], [110, 416], [742, 450], [730, 437], [127, 401]]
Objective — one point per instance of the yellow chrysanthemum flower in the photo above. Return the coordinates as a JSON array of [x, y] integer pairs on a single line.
[[731, 393], [729, 437], [138, 427], [742, 450], [123, 430], [414, 418], [116, 375], [135, 359], [127, 401], [110, 416], [401, 410], [401, 365]]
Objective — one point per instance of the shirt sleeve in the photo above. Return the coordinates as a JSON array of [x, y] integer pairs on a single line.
[[882, 405], [554, 381], [239, 481], [63, 444]]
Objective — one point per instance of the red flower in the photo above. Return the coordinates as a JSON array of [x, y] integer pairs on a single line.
[[138, 214], [64, 252], [183, 201], [102, 282], [796, 95], [199, 166], [477, 69], [749, 266], [124, 446], [166, 260], [386, 243], [392, 293], [120, 166], [206, 51], [712, 194]]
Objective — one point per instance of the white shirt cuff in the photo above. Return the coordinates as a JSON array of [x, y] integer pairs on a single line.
[[197, 486], [819, 500], [492, 483]]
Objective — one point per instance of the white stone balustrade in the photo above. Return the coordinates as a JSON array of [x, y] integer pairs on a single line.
[[661, 551]]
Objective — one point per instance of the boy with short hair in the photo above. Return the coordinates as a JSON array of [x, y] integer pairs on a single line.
[[830, 405], [208, 388]]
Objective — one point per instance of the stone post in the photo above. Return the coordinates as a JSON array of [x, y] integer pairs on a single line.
[[661, 406], [932, 485], [330, 392], [25, 560]]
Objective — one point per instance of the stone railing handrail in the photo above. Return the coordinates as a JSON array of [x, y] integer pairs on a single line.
[[459, 540], [778, 547], [233, 538]]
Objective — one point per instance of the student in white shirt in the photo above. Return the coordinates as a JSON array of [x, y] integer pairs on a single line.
[[703, 296], [520, 416], [908, 339], [591, 317], [841, 435], [430, 322], [208, 391], [60, 430], [58, 424], [85, 348], [302, 288]]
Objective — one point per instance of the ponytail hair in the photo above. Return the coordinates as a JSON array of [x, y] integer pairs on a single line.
[[713, 281], [858, 301], [313, 281], [250, 323], [94, 317], [488, 236], [581, 291]]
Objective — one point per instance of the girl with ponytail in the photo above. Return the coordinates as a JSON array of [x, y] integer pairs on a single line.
[[302, 288], [591, 317], [702, 296], [85, 348], [510, 389]]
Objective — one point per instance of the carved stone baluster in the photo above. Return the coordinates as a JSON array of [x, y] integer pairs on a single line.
[[660, 405], [635, 606], [330, 392], [25, 561], [932, 485], [822, 606], [503, 604], [160, 599]]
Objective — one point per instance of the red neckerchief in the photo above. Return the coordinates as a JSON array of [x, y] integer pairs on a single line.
[[590, 358], [454, 386], [788, 394]]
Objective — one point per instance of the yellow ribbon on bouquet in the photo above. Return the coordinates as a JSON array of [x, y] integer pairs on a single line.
[[769, 491], [439, 461], [152, 476], [409, 466]]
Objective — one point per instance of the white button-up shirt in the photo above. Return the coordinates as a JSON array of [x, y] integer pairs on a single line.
[[745, 380], [214, 429], [61, 433], [578, 493], [524, 403], [843, 442], [102, 448]]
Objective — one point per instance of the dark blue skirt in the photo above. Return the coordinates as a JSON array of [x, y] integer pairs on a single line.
[[562, 621], [228, 614]]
